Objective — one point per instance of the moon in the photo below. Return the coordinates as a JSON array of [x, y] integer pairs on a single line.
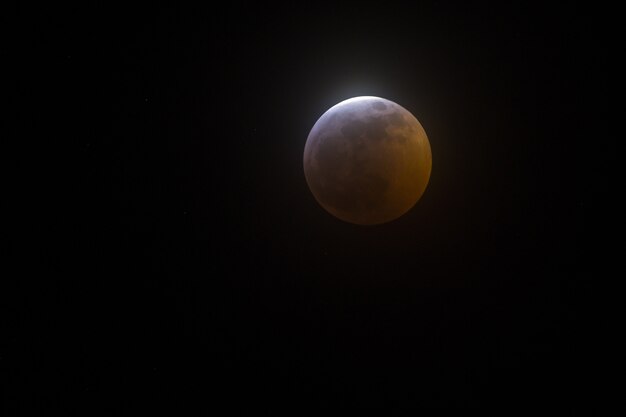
[[367, 160]]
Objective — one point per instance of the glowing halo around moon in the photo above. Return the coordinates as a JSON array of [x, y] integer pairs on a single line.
[[367, 160]]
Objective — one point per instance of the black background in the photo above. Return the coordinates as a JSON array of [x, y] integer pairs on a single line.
[[185, 265]]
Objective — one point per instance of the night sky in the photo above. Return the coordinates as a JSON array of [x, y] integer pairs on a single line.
[[187, 266]]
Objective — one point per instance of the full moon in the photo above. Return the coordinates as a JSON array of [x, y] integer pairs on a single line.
[[367, 160]]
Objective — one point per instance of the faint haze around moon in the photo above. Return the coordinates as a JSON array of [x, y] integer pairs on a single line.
[[367, 160]]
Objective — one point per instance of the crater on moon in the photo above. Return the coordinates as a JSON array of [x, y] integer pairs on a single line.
[[367, 160]]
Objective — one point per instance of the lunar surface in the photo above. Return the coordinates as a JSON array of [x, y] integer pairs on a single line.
[[367, 160]]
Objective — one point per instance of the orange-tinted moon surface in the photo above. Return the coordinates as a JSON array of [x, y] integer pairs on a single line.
[[367, 160]]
